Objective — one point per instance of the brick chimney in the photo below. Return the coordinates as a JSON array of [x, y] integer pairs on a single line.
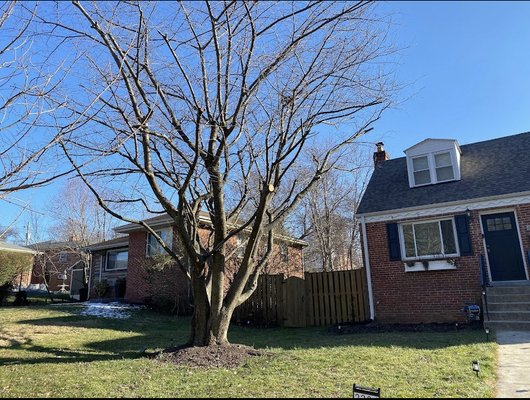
[[380, 155]]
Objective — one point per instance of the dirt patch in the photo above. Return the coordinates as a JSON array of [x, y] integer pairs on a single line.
[[231, 356]]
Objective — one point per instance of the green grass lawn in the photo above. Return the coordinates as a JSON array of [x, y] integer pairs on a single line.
[[52, 351]]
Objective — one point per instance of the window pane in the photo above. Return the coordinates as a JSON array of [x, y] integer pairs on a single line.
[[154, 247], [408, 236], [420, 163], [111, 261], [448, 235], [121, 260], [445, 173], [422, 177], [442, 160], [428, 239]]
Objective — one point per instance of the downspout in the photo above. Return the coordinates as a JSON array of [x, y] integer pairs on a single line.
[[90, 261], [303, 266], [368, 272], [100, 267]]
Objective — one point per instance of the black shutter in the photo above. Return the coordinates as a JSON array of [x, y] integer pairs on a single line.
[[394, 249], [462, 231]]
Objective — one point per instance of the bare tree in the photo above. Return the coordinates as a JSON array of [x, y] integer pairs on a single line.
[[209, 106], [80, 219], [26, 83], [327, 215]]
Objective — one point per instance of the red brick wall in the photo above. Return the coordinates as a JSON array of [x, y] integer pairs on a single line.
[[429, 296], [523, 219], [49, 261], [172, 284], [143, 285]]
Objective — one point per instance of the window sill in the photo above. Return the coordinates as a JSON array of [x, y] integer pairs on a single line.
[[433, 265]]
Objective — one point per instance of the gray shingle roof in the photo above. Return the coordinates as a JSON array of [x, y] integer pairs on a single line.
[[4, 246], [490, 168]]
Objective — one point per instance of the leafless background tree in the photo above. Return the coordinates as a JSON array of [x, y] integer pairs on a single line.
[[80, 219], [219, 107], [326, 218]]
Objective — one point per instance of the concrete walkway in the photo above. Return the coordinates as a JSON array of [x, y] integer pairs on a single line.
[[514, 364]]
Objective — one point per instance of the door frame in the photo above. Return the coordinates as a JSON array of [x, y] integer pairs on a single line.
[[521, 248]]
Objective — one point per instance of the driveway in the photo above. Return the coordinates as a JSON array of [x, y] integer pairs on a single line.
[[514, 364]]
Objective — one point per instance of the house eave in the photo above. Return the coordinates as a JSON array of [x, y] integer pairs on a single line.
[[96, 247], [168, 221], [451, 206]]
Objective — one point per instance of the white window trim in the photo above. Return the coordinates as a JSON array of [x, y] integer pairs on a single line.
[[158, 232], [433, 256], [432, 168], [63, 256], [429, 168], [115, 251], [453, 162]]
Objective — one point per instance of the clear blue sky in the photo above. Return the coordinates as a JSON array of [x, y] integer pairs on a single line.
[[467, 70]]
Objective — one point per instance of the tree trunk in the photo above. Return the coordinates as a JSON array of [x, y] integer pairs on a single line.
[[209, 326], [200, 329]]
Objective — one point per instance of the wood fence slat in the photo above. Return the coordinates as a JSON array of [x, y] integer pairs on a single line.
[[323, 306], [364, 294], [331, 297], [310, 311], [338, 293], [353, 297], [358, 294]]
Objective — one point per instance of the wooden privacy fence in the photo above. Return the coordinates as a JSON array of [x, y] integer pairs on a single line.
[[321, 298]]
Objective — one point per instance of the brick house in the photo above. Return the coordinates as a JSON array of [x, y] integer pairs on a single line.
[[446, 224], [62, 264], [129, 261]]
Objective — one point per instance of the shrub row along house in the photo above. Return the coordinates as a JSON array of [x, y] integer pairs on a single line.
[[133, 267], [444, 219]]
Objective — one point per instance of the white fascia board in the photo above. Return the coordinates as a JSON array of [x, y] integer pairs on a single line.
[[426, 142], [95, 247], [449, 207]]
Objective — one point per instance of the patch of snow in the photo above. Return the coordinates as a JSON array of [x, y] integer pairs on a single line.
[[105, 310]]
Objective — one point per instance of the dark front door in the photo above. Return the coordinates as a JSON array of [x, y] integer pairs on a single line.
[[503, 247]]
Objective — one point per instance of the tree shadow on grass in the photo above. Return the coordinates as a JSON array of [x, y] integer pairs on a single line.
[[58, 355], [157, 331]]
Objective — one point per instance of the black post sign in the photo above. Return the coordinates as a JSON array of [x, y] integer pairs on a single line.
[[363, 392]]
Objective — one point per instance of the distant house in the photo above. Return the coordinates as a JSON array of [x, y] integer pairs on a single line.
[[122, 268], [62, 265], [443, 220], [24, 279]]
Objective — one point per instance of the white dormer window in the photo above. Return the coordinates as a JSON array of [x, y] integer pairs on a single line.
[[444, 167], [422, 173], [433, 161]]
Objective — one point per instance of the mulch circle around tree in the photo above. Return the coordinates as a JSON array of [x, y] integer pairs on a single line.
[[230, 356]]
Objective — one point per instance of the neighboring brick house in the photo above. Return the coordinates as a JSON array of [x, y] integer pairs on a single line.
[[131, 259], [441, 218], [62, 264]]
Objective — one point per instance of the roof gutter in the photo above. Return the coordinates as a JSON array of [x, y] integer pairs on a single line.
[[459, 205], [169, 221], [368, 271]]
